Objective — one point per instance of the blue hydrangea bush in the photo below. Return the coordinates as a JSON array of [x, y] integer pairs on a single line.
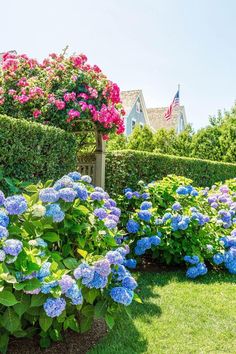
[[60, 265], [176, 223]]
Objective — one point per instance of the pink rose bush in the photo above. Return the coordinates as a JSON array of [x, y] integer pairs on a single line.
[[61, 91]]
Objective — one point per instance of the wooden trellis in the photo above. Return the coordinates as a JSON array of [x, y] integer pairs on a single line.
[[91, 154]]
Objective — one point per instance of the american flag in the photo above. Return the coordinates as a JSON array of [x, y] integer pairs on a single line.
[[175, 102]]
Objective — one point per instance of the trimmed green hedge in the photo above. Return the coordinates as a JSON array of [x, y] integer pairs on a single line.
[[32, 151], [125, 168]]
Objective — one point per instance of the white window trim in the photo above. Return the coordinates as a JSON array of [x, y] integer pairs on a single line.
[[138, 107], [133, 120]]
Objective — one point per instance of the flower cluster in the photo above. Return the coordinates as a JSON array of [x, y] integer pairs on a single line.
[[62, 91]]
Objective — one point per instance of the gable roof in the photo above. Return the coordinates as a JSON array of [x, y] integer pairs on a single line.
[[129, 98], [157, 118]]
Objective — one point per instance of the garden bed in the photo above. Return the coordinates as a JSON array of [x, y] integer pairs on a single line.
[[72, 342]]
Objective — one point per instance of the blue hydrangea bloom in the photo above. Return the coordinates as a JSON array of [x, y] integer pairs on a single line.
[[123, 250], [2, 256], [47, 287], [194, 193], [48, 195], [12, 247], [4, 219], [2, 198], [44, 271], [75, 294], [54, 211], [98, 281], [155, 240], [136, 194], [130, 263], [218, 258], [202, 269], [176, 206], [192, 259], [115, 211], [145, 196], [129, 283], [76, 176], [120, 272], [132, 226], [86, 179], [67, 194], [146, 205], [66, 283], [182, 190], [122, 295], [15, 205], [85, 272], [102, 267], [54, 307], [3, 232], [129, 195], [100, 213], [145, 215], [166, 217], [114, 257], [81, 191], [127, 190], [192, 273]]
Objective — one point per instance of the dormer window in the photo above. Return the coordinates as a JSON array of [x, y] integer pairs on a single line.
[[133, 123]]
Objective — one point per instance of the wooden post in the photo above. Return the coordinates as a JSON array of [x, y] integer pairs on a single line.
[[100, 161]]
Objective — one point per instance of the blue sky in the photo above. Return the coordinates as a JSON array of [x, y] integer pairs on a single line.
[[141, 44]]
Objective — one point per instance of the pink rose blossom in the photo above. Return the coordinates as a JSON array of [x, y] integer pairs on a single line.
[[60, 104]]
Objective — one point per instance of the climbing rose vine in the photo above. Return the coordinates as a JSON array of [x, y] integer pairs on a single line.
[[61, 91]]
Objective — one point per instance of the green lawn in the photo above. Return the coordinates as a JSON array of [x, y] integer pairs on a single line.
[[177, 316]]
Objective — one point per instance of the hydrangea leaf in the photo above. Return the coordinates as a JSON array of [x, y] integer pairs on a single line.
[[7, 298], [10, 320], [45, 321]]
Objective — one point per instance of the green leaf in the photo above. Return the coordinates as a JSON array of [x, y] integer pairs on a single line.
[[73, 324], [37, 300], [31, 188], [70, 263], [45, 342], [137, 299], [51, 237], [45, 321], [85, 324], [7, 298], [10, 320], [100, 309], [83, 209], [4, 343], [109, 320], [23, 305], [90, 295], [31, 284]]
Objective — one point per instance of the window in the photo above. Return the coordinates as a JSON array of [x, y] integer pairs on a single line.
[[133, 123], [141, 125], [138, 108]]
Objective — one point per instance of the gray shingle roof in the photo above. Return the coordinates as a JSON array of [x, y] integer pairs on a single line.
[[128, 99], [157, 118]]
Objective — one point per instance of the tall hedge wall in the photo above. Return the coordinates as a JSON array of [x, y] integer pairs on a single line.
[[125, 168], [30, 151]]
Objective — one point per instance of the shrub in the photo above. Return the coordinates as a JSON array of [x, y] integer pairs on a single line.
[[175, 223], [31, 151], [126, 168], [58, 269], [61, 91]]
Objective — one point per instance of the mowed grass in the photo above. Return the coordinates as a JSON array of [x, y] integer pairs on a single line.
[[177, 316]]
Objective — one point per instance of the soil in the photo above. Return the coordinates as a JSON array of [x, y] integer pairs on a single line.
[[148, 264], [73, 343]]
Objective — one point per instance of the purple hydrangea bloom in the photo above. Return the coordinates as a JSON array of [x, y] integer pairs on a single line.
[[48, 195], [102, 267], [123, 250], [85, 272], [97, 196], [122, 295], [15, 205], [12, 247], [86, 179], [146, 205], [114, 257], [110, 223], [145, 196], [112, 202], [2, 198], [4, 219], [129, 283], [224, 189], [66, 283], [46, 287], [214, 205], [129, 195], [115, 211], [54, 211], [64, 182], [54, 307], [67, 194], [3, 232], [76, 176], [136, 194], [81, 191], [100, 213]]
